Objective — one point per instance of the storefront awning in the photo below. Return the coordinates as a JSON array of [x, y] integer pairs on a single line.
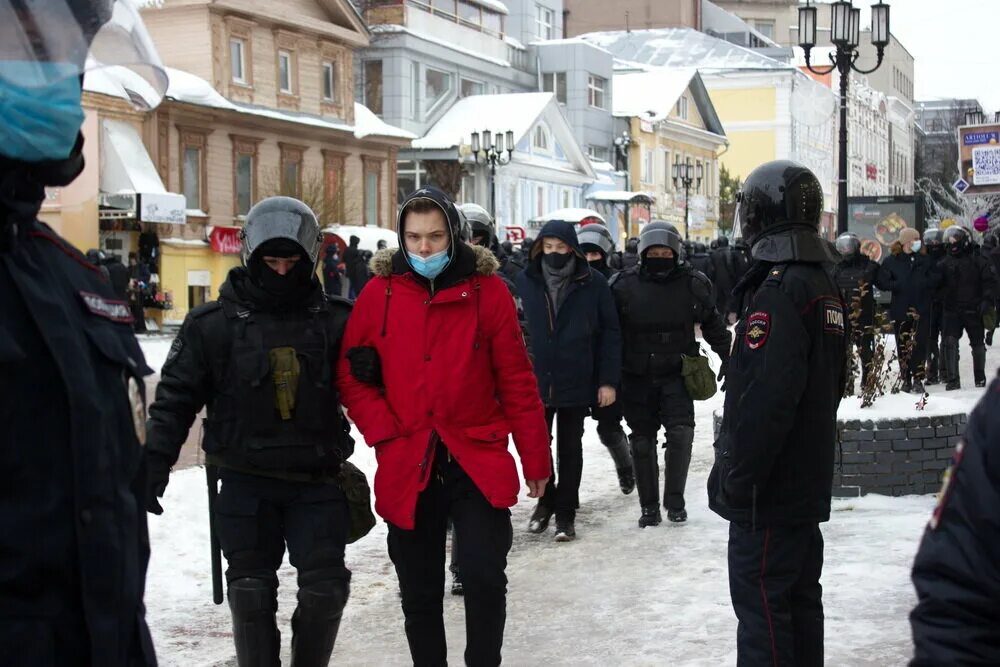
[[621, 196], [129, 180]]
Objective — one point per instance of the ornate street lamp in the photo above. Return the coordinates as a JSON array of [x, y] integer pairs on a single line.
[[685, 174], [845, 33], [491, 151]]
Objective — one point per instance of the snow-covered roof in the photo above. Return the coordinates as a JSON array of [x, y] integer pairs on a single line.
[[495, 5], [680, 47], [567, 40], [574, 215], [602, 165], [515, 43], [621, 196], [651, 95], [189, 88], [511, 111]]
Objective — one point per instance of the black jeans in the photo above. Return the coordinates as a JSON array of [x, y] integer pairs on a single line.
[[562, 494], [934, 340], [257, 516], [912, 368], [774, 584], [485, 537]]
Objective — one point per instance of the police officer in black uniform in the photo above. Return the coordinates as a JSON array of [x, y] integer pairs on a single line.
[[956, 621], [934, 243], [597, 246], [261, 358], [659, 302], [855, 276], [73, 540], [774, 455]]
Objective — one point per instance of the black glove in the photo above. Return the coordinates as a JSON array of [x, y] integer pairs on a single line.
[[366, 366], [157, 476], [723, 371]]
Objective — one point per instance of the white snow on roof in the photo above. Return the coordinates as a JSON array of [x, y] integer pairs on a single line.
[[515, 43], [510, 111], [368, 236], [495, 5], [393, 28], [680, 47], [618, 195], [567, 40], [602, 165], [189, 88], [650, 95]]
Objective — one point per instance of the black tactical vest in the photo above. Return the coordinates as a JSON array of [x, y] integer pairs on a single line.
[[277, 408], [657, 321]]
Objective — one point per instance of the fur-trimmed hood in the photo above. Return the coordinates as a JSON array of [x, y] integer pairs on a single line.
[[381, 264]]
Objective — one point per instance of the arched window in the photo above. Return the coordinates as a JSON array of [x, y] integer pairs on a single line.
[[540, 139]]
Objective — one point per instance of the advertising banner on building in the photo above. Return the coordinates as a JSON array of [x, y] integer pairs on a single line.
[[878, 222], [979, 159], [225, 240]]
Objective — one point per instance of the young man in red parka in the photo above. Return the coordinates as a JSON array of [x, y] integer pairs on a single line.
[[436, 377]]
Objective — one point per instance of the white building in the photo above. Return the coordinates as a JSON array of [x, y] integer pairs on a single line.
[[902, 147], [868, 132]]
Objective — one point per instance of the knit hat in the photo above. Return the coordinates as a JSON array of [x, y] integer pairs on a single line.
[[909, 234]]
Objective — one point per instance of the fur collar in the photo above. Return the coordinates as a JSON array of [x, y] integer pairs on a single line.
[[486, 263]]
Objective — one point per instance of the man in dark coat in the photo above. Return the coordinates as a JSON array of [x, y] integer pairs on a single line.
[[912, 277], [970, 291], [630, 257], [934, 244], [576, 348], [73, 539], [354, 265], [774, 456], [856, 276], [118, 274], [724, 268], [659, 304], [957, 617], [702, 262], [262, 360], [332, 276]]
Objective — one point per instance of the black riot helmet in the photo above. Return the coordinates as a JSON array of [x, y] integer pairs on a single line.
[[480, 221], [958, 240], [700, 248], [723, 242], [595, 238], [778, 213], [281, 218], [933, 237], [848, 244], [659, 234], [632, 245]]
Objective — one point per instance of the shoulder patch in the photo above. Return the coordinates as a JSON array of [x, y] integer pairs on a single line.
[[111, 309], [833, 317], [758, 329], [175, 349], [776, 274], [947, 480]]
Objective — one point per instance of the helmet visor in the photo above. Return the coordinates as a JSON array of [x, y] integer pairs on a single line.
[[278, 224], [43, 42]]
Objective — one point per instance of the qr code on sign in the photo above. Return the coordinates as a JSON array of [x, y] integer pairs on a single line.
[[986, 163]]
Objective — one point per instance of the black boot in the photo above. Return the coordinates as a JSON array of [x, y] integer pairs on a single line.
[[253, 603], [316, 621], [565, 530], [677, 516], [650, 517], [979, 365], [949, 364], [676, 461], [617, 445], [647, 473], [456, 583], [540, 518]]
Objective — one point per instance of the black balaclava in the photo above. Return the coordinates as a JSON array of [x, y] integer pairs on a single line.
[[658, 266], [295, 282]]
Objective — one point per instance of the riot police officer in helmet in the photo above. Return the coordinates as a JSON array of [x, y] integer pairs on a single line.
[[598, 247], [855, 275], [659, 303], [774, 456], [934, 243], [73, 533], [261, 359]]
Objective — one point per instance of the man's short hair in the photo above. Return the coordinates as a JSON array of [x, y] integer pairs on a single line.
[[421, 205]]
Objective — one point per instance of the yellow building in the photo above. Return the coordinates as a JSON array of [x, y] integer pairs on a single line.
[[673, 124]]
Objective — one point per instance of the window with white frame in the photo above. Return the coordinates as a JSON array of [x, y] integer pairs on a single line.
[[285, 72], [595, 91], [682, 107], [598, 153], [237, 60], [437, 87], [555, 82], [468, 87], [545, 22], [647, 166], [330, 88], [765, 28]]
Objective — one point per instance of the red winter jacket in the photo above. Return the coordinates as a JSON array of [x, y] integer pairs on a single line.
[[454, 364]]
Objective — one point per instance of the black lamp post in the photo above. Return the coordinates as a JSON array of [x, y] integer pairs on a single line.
[[845, 33], [685, 174], [623, 147], [492, 150]]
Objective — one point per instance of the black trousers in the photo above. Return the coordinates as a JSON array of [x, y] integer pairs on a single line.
[[256, 517], [912, 368], [936, 326], [562, 494], [774, 584], [485, 537], [969, 322]]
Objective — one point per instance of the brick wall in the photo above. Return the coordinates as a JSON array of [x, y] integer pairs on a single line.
[[893, 457]]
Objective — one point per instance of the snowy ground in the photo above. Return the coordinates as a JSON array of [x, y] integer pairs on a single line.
[[618, 595]]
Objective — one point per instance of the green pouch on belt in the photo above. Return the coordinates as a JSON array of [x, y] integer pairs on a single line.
[[354, 484], [699, 380]]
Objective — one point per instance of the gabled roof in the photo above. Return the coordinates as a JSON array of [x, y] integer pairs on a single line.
[[680, 48], [652, 95]]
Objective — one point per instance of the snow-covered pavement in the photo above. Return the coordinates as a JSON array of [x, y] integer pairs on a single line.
[[618, 595]]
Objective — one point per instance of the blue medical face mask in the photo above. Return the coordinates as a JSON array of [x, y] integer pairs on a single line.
[[39, 123], [917, 245], [429, 267]]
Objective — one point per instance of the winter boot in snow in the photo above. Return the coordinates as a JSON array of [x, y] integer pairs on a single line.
[[979, 365], [316, 621], [650, 516], [950, 359], [918, 388], [617, 445], [677, 516], [565, 530], [647, 470], [540, 519], [253, 603], [456, 583], [676, 461]]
